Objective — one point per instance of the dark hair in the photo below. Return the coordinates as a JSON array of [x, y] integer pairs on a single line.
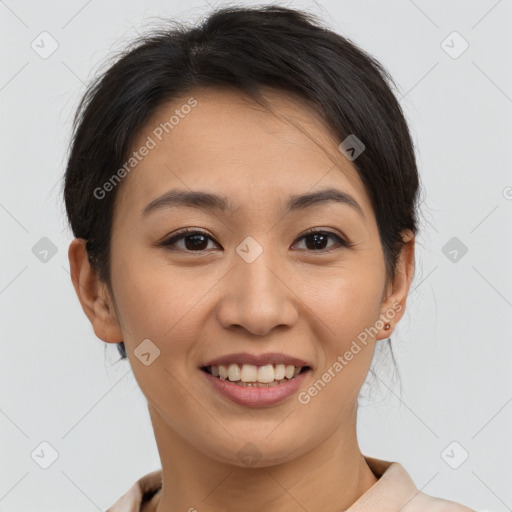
[[246, 48]]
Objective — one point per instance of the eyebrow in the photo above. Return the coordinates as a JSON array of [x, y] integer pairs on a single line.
[[209, 201]]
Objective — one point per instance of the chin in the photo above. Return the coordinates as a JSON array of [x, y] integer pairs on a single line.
[[259, 450]]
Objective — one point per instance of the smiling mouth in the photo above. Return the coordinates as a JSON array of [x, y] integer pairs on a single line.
[[248, 375]]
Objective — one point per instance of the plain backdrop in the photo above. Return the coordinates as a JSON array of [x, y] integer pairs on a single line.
[[449, 424]]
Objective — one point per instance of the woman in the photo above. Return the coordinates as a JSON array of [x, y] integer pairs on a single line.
[[243, 196]]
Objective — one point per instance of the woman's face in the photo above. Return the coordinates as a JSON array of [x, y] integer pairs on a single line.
[[252, 282]]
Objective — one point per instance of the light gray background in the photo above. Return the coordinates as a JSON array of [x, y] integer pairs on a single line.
[[454, 345]]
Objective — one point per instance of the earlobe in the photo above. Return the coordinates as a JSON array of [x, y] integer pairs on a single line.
[[393, 307], [93, 294]]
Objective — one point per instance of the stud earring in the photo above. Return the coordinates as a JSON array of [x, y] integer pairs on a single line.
[[387, 327]]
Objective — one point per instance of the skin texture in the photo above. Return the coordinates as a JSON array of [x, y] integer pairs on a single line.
[[307, 302]]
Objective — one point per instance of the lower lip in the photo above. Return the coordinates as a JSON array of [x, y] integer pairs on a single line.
[[256, 396]]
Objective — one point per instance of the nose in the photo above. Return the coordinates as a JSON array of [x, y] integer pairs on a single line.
[[257, 297]]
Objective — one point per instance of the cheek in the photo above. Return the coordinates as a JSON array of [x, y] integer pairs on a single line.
[[162, 311], [348, 302], [348, 307], [162, 305]]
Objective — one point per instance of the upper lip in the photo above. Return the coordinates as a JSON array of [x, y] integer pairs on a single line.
[[257, 360]]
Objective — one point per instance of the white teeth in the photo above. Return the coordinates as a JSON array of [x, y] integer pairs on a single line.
[[233, 372], [223, 371], [280, 371], [252, 373], [249, 373], [266, 373]]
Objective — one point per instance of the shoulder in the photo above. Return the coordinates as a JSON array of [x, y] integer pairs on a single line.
[[395, 490]]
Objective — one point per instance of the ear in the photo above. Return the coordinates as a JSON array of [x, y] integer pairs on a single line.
[[93, 294], [395, 296]]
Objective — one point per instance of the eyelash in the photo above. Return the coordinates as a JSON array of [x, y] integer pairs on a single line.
[[168, 243]]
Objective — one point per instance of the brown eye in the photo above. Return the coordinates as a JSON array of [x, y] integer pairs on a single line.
[[317, 240], [194, 241]]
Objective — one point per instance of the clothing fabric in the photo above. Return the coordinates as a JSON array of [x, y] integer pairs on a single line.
[[394, 491]]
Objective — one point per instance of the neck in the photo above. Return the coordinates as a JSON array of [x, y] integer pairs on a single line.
[[330, 478]]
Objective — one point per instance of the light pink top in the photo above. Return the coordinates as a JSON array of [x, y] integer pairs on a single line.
[[393, 492]]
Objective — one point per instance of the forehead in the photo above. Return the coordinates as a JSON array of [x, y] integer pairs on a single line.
[[221, 141]]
